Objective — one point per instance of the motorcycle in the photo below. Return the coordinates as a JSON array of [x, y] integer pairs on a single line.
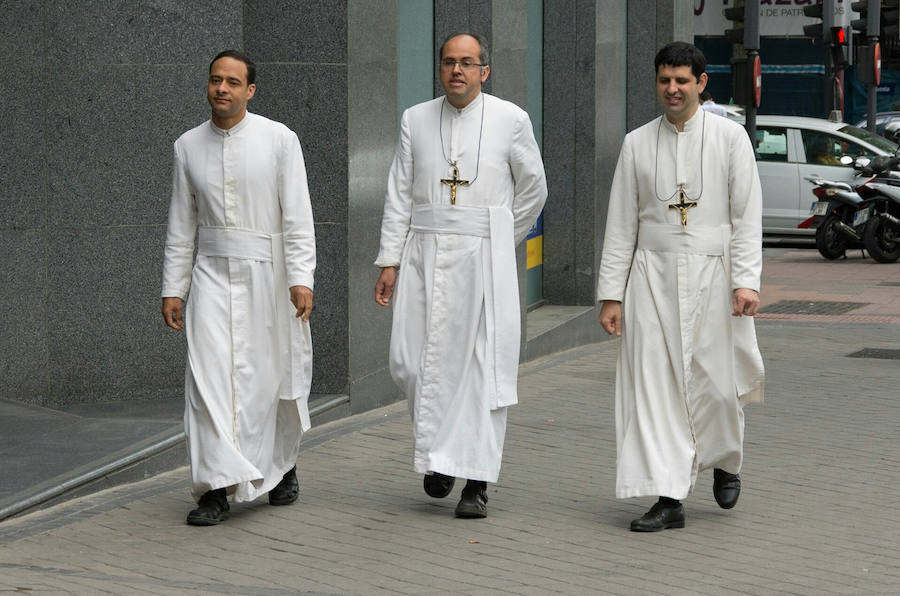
[[860, 216], [832, 217], [881, 218]]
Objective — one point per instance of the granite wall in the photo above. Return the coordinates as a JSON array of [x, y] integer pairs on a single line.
[[300, 48], [95, 95], [598, 84], [651, 25], [584, 106], [372, 136], [96, 92]]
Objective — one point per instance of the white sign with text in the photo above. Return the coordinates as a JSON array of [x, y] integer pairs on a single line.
[[777, 18]]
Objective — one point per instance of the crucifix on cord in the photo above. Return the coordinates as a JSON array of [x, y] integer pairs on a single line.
[[683, 204], [454, 182]]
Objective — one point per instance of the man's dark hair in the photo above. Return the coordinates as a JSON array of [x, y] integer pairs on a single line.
[[251, 67], [485, 55], [705, 95], [679, 53]]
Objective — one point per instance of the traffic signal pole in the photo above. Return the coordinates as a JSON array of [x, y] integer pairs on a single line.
[[827, 43], [873, 29], [822, 31], [745, 58], [869, 27], [829, 81], [871, 97], [751, 44], [879, 18]]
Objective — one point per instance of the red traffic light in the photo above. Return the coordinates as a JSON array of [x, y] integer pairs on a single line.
[[839, 36]]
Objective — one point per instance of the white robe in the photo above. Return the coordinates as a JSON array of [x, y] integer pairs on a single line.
[[455, 336], [686, 365], [243, 194]]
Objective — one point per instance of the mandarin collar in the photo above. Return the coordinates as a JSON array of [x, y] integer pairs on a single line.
[[693, 123], [234, 129], [473, 105]]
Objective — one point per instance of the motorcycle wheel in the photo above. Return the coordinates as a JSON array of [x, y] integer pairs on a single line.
[[829, 241], [881, 241]]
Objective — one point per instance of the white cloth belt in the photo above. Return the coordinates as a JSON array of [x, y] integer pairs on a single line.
[[695, 240], [440, 219], [294, 339], [235, 243], [501, 283]]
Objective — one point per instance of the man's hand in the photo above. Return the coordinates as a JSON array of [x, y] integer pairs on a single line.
[[745, 302], [384, 287], [172, 313], [302, 297], [611, 316]]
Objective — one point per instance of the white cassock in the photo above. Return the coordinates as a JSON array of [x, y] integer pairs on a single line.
[[243, 194], [686, 366], [456, 329]]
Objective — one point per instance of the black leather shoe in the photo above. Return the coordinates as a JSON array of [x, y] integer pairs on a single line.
[[438, 485], [286, 491], [212, 509], [659, 518], [473, 503], [726, 488]]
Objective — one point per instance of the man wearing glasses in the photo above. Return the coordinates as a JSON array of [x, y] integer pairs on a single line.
[[466, 184]]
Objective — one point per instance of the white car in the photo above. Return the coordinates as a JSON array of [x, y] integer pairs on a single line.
[[789, 148]]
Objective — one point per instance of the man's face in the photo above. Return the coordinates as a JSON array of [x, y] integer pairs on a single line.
[[678, 91], [227, 90], [462, 84]]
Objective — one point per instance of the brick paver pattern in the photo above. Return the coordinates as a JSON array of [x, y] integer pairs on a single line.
[[817, 514]]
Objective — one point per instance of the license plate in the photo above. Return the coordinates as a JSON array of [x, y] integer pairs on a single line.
[[819, 208], [861, 216]]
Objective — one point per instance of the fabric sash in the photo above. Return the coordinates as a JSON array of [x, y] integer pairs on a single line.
[[235, 243], [695, 240], [502, 315], [294, 339]]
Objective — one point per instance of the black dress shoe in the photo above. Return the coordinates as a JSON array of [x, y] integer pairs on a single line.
[[438, 485], [286, 491], [473, 503], [726, 488], [660, 517], [212, 509]]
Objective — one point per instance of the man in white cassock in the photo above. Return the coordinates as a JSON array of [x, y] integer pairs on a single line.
[[679, 281], [466, 185], [240, 198]]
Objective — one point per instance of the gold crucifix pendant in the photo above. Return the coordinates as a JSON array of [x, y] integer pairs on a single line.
[[682, 205], [453, 183]]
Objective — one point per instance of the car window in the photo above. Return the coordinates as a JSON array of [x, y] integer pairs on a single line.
[[826, 150], [771, 143], [871, 138]]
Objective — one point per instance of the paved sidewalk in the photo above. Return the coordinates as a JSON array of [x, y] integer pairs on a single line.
[[816, 515], [804, 275]]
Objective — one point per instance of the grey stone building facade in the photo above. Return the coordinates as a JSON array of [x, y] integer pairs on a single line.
[[97, 91]]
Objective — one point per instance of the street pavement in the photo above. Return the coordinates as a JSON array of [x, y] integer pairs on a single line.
[[817, 514]]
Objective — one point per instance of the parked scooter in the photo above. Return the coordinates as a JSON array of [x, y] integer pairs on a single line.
[[881, 218], [845, 215], [832, 217]]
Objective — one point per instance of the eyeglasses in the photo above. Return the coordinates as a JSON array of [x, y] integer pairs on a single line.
[[465, 64]]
